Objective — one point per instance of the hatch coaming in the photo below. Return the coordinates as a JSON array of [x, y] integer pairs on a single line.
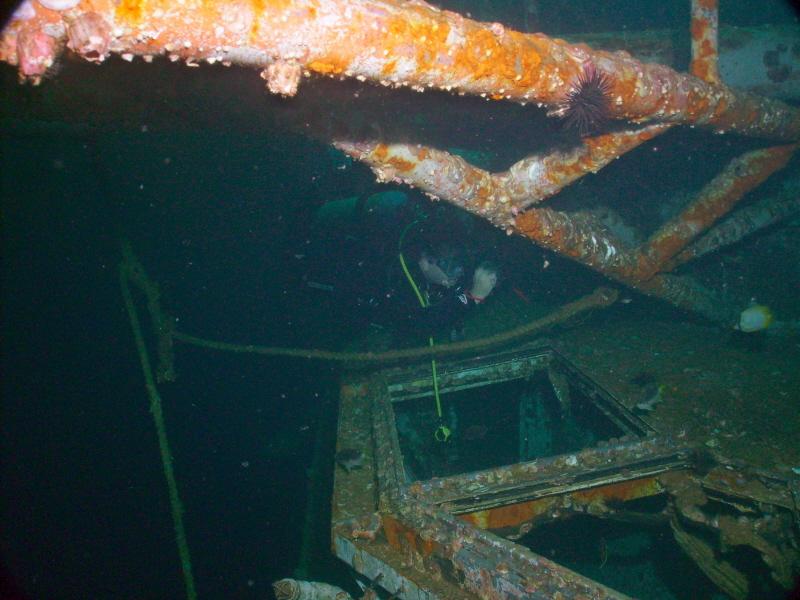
[[454, 535], [429, 546]]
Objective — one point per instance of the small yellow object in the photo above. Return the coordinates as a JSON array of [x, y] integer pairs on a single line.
[[755, 318], [442, 434]]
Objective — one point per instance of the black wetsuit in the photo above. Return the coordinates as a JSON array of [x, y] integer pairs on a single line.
[[445, 312]]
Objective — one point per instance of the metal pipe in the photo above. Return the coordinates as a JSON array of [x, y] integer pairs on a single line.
[[393, 43]]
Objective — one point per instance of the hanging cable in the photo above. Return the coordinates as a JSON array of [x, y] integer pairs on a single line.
[[157, 411]]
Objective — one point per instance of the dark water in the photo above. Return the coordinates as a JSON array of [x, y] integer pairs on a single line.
[[86, 512], [641, 561], [216, 187]]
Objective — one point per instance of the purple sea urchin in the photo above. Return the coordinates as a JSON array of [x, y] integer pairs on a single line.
[[586, 107]]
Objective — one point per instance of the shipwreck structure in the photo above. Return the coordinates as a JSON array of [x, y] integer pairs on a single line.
[[422, 525], [540, 434], [424, 522], [417, 45]]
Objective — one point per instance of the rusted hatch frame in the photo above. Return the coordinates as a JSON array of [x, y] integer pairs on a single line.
[[454, 376], [452, 549], [553, 476], [406, 535], [509, 366]]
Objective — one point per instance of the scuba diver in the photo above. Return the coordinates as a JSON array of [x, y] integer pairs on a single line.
[[445, 298], [354, 260]]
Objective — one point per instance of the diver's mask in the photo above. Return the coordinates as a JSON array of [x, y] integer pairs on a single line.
[[445, 271]]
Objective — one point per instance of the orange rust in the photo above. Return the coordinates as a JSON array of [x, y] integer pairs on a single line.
[[481, 184], [707, 4], [429, 35], [622, 491], [129, 11], [324, 67], [715, 201], [258, 7], [422, 153], [529, 59], [721, 107], [767, 162], [396, 534], [700, 68], [397, 27], [515, 514], [381, 152], [473, 177], [698, 28], [487, 59], [411, 540], [400, 164], [509, 516], [393, 531], [626, 88], [442, 31], [484, 40], [697, 104], [581, 166], [482, 56], [483, 193], [426, 547], [389, 67], [430, 41], [644, 136]]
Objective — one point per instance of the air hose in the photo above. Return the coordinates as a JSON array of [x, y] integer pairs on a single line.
[[442, 433]]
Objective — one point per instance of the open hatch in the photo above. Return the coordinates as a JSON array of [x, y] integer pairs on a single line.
[[546, 485]]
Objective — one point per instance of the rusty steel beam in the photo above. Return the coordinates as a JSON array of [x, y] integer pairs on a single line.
[[688, 294], [705, 40], [421, 46], [578, 236], [742, 223], [575, 235], [489, 566], [717, 198], [757, 59], [497, 197], [393, 43]]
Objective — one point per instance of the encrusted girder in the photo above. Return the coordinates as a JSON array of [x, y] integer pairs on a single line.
[[393, 43]]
